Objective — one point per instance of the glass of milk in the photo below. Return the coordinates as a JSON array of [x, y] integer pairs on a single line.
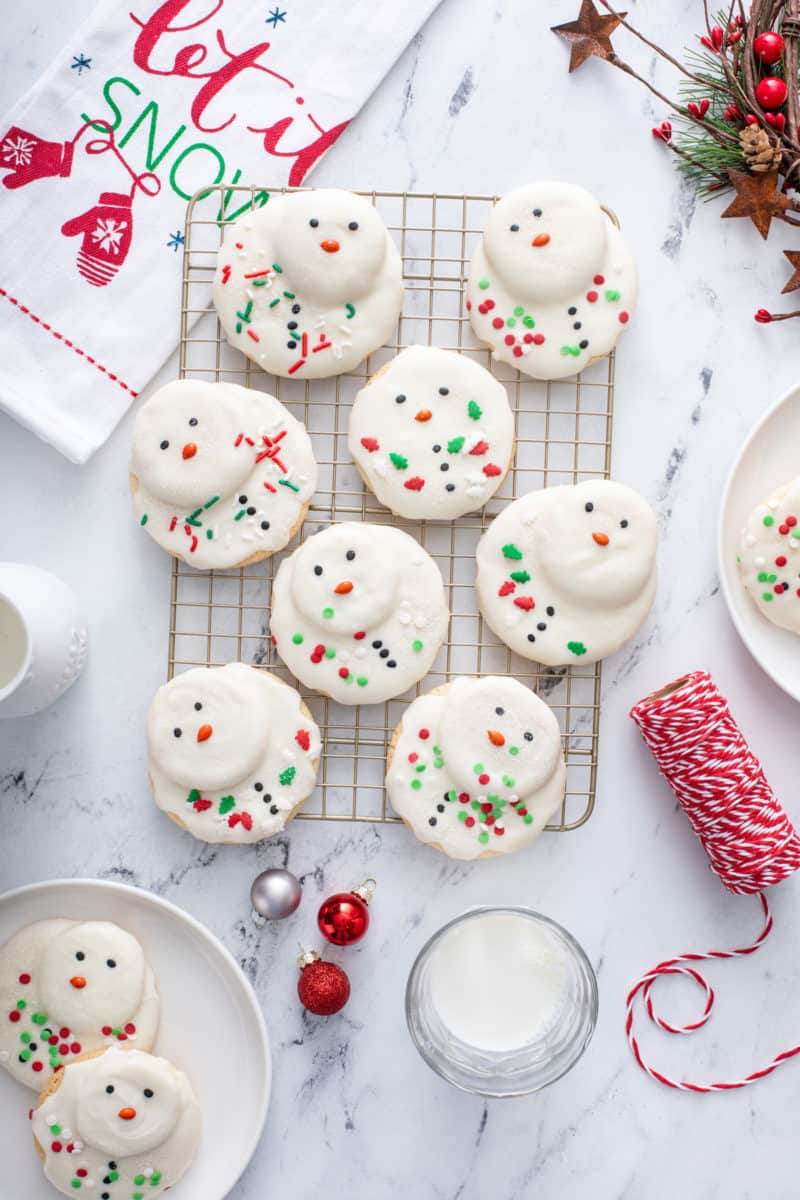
[[501, 1001]]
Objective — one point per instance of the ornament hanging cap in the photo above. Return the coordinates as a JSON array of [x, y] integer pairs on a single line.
[[306, 957], [366, 890]]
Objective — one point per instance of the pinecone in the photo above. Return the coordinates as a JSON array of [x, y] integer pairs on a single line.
[[760, 152]]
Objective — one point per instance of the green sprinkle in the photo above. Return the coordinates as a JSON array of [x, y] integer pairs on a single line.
[[138, 1180], [483, 838], [22, 1004], [25, 1037], [519, 310], [437, 750], [25, 1055], [209, 534], [350, 309], [573, 350], [113, 1176], [767, 596], [398, 461], [289, 295], [239, 515], [528, 819], [277, 268], [455, 444], [327, 613], [520, 576], [138, 1195], [772, 579], [287, 483], [416, 645], [762, 576], [144, 519], [483, 284], [528, 322], [513, 751], [208, 503], [420, 767], [612, 295], [452, 796], [76, 1183], [462, 816], [259, 282], [511, 551], [511, 322], [277, 300], [438, 762], [155, 1179], [330, 652], [474, 804], [193, 795], [39, 1018], [508, 781], [796, 533], [769, 520], [297, 638], [576, 648], [362, 680], [478, 768], [286, 777], [226, 804], [474, 411], [416, 784]]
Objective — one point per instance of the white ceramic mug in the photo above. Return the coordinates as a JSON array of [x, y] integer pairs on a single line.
[[43, 639]]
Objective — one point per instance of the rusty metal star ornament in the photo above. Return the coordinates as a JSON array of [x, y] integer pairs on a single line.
[[589, 35], [794, 283], [757, 197]]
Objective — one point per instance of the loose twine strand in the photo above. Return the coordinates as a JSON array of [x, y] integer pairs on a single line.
[[750, 842]]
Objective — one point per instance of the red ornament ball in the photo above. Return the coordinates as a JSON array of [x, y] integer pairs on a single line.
[[768, 48], [771, 92], [323, 988], [343, 918]]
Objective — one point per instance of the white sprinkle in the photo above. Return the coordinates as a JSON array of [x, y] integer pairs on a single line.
[[287, 755], [67, 1132], [420, 622], [772, 504], [759, 561], [404, 618], [51, 1119], [147, 1172], [344, 656], [379, 467], [361, 652], [249, 294]]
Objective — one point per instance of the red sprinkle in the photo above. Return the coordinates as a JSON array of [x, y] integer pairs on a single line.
[[491, 470], [254, 336], [489, 305], [64, 1033], [226, 273], [239, 440], [599, 279], [14, 1016], [238, 245], [370, 444], [591, 297], [424, 734], [499, 830], [52, 1041], [63, 1049], [783, 528], [525, 602], [302, 739], [487, 806], [489, 821], [518, 351], [82, 1172], [56, 1147], [497, 322], [469, 306], [463, 797], [623, 318], [470, 821], [528, 338], [361, 634], [24, 977], [509, 339], [415, 484], [484, 779], [106, 1030], [122, 1037], [780, 561], [538, 338], [507, 588], [37, 1066], [479, 448], [791, 522], [343, 672], [198, 806], [75, 1047], [413, 756]]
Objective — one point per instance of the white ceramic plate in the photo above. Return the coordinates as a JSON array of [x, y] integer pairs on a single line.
[[769, 457], [211, 1027]]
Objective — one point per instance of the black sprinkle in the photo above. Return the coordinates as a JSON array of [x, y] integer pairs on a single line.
[[576, 325], [384, 653], [531, 637], [572, 311], [377, 645], [291, 345], [583, 344], [551, 612], [444, 391], [432, 820], [259, 787], [251, 512], [391, 663], [295, 308], [400, 399], [243, 499], [440, 808], [449, 487], [292, 325], [274, 810], [444, 466], [541, 626], [265, 524], [436, 448], [267, 798]]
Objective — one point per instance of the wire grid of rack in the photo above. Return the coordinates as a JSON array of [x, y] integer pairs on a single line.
[[563, 436]]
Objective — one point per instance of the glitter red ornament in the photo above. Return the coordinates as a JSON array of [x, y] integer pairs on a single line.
[[771, 92], [343, 919], [768, 48], [323, 987]]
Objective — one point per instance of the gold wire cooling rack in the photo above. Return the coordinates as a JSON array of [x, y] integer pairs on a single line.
[[563, 435]]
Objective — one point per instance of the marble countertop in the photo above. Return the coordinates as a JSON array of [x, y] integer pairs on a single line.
[[479, 102]]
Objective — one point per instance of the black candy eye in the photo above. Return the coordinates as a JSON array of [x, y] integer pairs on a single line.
[[197, 706], [444, 391], [528, 736], [500, 711], [193, 420], [353, 225], [623, 524], [177, 732], [589, 506], [164, 445], [400, 399], [110, 1090], [436, 448], [514, 228], [313, 222], [537, 212], [110, 963], [148, 1093], [80, 956], [243, 499], [350, 555], [317, 570]]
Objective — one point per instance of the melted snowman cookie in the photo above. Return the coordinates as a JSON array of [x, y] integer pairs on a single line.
[[221, 475], [769, 556], [310, 284], [432, 434], [476, 767], [232, 752], [552, 283], [567, 574], [121, 1126], [68, 988], [359, 612]]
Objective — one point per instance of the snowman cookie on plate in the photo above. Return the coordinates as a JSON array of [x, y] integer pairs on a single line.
[[117, 1125], [552, 283], [221, 475], [68, 988], [232, 752], [310, 284], [567, 574], [769, 556], [432, 434], [359, 612], [476, 767]]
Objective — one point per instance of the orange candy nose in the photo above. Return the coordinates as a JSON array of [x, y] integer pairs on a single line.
[[330, 245], [541, 239], [126, 1114], [424, 414], [495, 737], [601, 538], [204, 733], [343, 588], [189, 450], [78, 982]]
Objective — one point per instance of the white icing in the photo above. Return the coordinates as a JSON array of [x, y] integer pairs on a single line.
[[76, 991], [241, 743], [434, 433], [344, 285], [592, 574], [759, 548], [218, 458], [125, 1133], [375, 568], [526, 775], [538, 268]]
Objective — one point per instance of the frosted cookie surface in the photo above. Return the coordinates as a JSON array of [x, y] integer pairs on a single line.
[[769, 556]]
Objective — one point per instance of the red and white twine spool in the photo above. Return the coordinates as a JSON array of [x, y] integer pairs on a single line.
[[750, 841]]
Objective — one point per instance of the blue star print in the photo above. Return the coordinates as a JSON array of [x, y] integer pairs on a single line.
[[81, 63], [276, 16], [176, 240]]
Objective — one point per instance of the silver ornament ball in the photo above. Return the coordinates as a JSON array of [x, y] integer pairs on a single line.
[[275, 894]]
